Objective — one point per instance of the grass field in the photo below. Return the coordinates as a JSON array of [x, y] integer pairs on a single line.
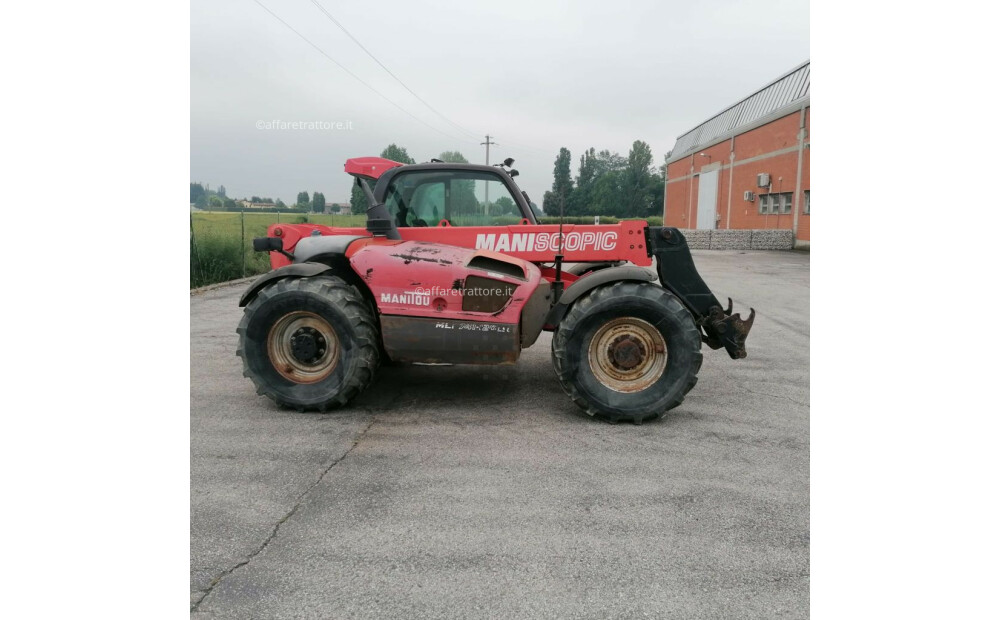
[[222, 243]]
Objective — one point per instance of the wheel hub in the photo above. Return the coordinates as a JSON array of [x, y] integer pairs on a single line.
[[627, 354], [308, 345], [303, 347]]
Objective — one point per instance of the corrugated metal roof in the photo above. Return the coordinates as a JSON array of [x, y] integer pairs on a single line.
[[785, 92]]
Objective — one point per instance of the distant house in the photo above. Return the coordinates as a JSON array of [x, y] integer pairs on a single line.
[[337, 208], [246, 204]]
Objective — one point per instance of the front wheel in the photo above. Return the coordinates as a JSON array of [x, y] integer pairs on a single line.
[[309, 343], [628, 351]]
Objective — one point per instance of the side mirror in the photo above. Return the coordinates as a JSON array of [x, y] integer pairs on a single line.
[[513, 173], [507, 162]]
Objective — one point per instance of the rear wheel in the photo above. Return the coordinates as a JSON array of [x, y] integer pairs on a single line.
[[309, 343], [628, 351]]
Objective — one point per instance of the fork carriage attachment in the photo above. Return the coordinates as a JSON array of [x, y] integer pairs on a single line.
[[677, 272]]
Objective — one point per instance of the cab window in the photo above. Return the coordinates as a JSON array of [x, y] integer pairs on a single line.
[[462, 197]]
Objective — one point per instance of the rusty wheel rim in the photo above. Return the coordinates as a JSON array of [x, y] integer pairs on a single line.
[[627, 354], [303, 347]]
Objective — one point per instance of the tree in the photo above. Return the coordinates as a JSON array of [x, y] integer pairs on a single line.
[[197, 191], [562, 184], [654, 191], [504, 206], [359, 202], [602, 181], [637, 177], [549, 203], [606, 161], [215, 202], [463, 193], [221, 193], [658, 187], [397, 153], [579, 203], [607, 195], [280, 204], [453, 157], [302, 200], [318, 202], [588, 168]]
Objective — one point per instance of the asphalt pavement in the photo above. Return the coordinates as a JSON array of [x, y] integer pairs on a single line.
[[484, 492]]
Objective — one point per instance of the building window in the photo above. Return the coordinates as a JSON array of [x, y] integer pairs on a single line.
[[775, 204], [805, 208]]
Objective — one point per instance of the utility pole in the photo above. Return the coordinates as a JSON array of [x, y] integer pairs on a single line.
[[487, 143]]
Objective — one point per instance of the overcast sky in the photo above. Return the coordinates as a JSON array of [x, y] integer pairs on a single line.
[[536, 75]]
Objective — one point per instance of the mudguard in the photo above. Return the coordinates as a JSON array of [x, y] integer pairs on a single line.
[[579, 269], [591, 281], [310, 248], [296, 270]]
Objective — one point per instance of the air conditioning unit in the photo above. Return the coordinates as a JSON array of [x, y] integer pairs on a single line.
[[748, 196], [763, 180]]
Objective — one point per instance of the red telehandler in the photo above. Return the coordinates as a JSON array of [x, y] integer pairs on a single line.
[[452, 267]]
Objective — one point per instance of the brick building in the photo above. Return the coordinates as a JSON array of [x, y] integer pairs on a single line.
[[747, 167]]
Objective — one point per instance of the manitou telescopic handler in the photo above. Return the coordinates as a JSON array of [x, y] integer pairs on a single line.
[[453, 267]]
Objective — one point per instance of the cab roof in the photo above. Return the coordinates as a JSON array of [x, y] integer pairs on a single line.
[[369, 167], [374, 167]]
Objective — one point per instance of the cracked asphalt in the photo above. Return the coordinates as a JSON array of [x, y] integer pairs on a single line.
[[483, 492]]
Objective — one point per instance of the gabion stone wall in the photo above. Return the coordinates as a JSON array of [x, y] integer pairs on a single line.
[[698, 239], [772, 240], [739, 239], [731, 239]]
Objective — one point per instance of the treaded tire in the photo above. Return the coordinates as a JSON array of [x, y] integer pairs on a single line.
[[345, 313], [651, 304]]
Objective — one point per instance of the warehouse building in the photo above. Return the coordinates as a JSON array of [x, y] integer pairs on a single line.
[[746, 167]]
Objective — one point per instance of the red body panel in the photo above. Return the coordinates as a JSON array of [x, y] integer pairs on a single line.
[[624, 241], [419, 279], [369, 167]]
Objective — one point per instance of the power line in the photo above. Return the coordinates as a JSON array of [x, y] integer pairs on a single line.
[[410, 90], [365, 84], [379, 62]]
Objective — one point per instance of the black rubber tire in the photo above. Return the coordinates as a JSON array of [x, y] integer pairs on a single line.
[[645, 301], [344, 309]]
